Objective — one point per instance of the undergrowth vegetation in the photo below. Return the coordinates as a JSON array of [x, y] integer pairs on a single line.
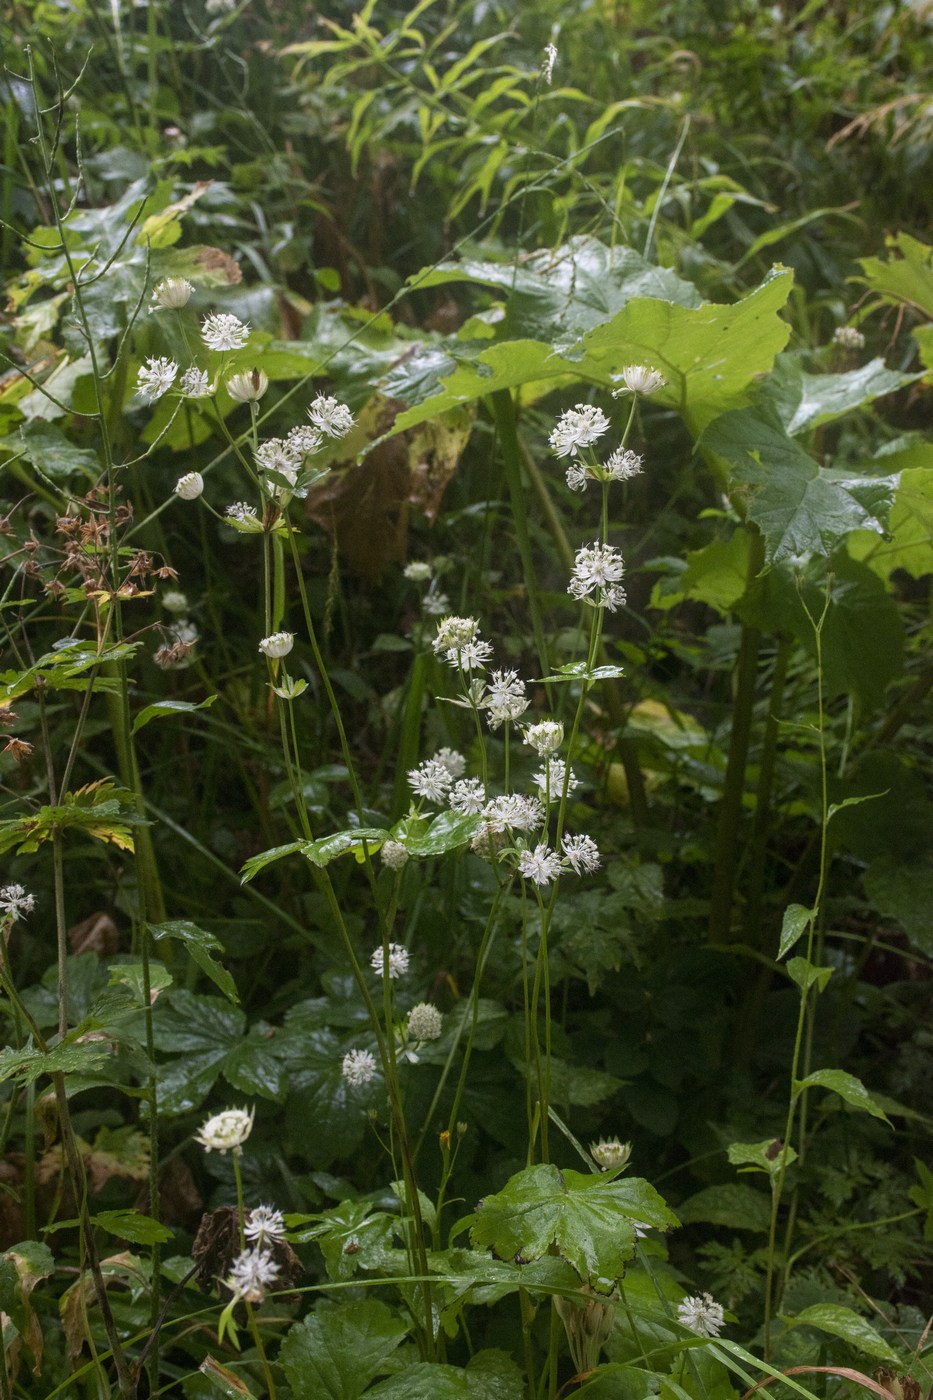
[[466, 762]]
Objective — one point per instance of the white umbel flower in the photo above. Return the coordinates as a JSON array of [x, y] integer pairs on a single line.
[[358, 1067], [253, 1272], [174, 601], [467, 797], [581, 853], [226, 1130], [171, 293], [194, 384], [331, 416], [551, 778], [579, 427], [610, 1153], [453, 761], [304, 440], [189, 486], [248, 386], [223, 331], [264, 1225], [399, 959], [16, 902], [417, 572], [505, 700], [431, 780], [849, 337], [394, 855], [702, 1315], [640, 379], [241, 510], [542, 865], [514, 812], [597, 573], [457, 642], [276, 646], [425, 1022], [545, 737], [155, 378]]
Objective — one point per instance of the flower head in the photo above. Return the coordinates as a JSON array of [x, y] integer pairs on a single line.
[[194, 384], [702, 1315], [224, 1130], [358, 1067], [278, 645], [399, 959], [610, 1153], [248, 386], [189, 486], [304, 440], [331, 416], [542, 865], [431, 780], [264, 1225], [581, 853], [171, 293], [579, 427], [849, 337], [241, 510], [640, 379], [514, 812], [551, 778], [453, 761], [253, 1272], [596, 576], [15, 903], [223, 331], [417, 571], [545, 737], [505, 699], [394, 854], [458, 643], [622, 465], [155, 377], [425, 1022], [174, 601], [467, 797]]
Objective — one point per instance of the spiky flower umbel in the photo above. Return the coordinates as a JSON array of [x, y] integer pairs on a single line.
[[226, 1130], [702, 1315], [579, 427]]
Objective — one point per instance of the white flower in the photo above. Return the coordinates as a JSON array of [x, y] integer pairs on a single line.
[[223, 331], [623, 464], [358, 1067], [278, 645], [224, 1130], [435, 604], [304, 440], [274, 455], [264, 1225], [545, 737], [174, 602], [578, 428], [194, 384], [15, 903], [582, 853], [505, 699], [417, 572], [394, 854], [597, 570], [640, 379], [171, 293], [514, 812], [331, 416], [702, 1315], [849, 337], [425, 1022], [610, 1153], [453, 761], [550, 58], [467, 797], [155, 377], [430, 779], [248, 386], [551, 778], [454, 633], [241, 510], [399, 959], [189, 486], [252, 1273], [542, 865]]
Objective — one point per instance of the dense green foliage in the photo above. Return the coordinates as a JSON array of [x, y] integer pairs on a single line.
[[523, 1111]]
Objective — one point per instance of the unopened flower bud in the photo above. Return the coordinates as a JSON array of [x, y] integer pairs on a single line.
[[189, 486], [277, 646], [248, 386]]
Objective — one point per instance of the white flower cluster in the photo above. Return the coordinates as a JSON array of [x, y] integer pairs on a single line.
[[358, 1067], [425, 1022], [457, 641], [702, 1315], [596, 577], [226, 1130], [16, 902], [399, 958], [252, 1273], [264, 1225]]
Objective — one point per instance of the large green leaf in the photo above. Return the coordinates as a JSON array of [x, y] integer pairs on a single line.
[[800, 507], [843, 1322], [847, 1086], [588, 1219], [904, 278], [804, 401], [335, 1354], [69, 1057]]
